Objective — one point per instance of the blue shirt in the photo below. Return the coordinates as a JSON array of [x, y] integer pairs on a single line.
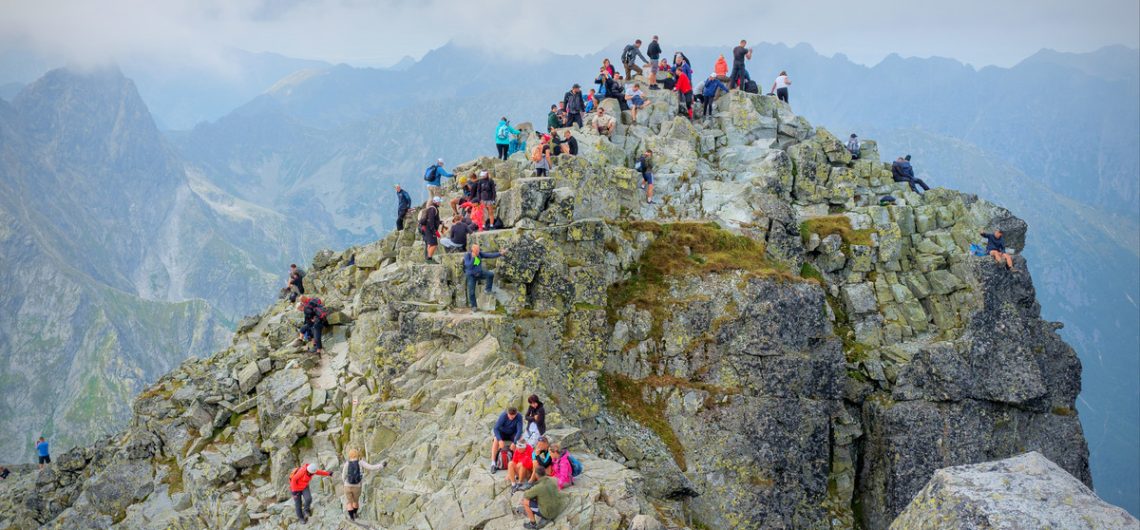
[[471, 268], [440, 173], [994, 243], [712, 86], [42, 448], [507, 429]]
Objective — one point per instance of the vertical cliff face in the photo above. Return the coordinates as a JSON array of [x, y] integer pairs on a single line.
[[767, 348]]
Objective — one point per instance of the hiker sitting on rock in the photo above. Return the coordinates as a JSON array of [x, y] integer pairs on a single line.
[[561, 469], [553, 121], [568, 145], [543, 502], [296, 285], [901, 171], [522, 463], [636, 100], [353, 477], [995, 246], [299, 487], [473, 268], [466, 195], [591, 101], [316, 318], [508, 428], [603, 123], [541, 458]]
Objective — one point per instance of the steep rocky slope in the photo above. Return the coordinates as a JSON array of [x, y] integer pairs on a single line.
[[767, 348]]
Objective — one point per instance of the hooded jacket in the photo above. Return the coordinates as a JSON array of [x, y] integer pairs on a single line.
[[510, 131]]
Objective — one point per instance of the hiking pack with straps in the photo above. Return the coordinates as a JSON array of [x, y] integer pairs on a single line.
[[431, 172], [628, 55], [640, 164], [353, 476], [501, 133], [318, 309], [575, 466]]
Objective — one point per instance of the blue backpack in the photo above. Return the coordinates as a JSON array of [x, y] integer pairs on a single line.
[[575, 466], [977, 249], [430, 172]]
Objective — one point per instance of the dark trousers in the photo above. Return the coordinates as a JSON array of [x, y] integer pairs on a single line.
[[307, 498], [685, 103], [472, 281], [503, 150], [630, 68], [736, 78], [708, 105], [400, 215], [912, 181], [782, 93], [313, 330], [574, 117]]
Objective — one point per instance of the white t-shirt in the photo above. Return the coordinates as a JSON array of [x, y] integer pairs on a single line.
[[782, 82]]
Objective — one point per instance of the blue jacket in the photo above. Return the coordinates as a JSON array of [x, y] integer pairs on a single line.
[[907, 169], [510, 131], [507, 429], [42, 448], [476, 269], [440, 174], [405, 199], [712, 86], [994, 243]]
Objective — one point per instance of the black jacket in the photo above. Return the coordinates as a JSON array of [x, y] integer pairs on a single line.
[[486, 190], [405, 199], [573, 103], [459, 232], [572, 142], [431, 220], [653, 51]]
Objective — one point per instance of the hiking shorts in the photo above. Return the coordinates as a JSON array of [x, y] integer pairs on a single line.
[[487, 202], [45, 459], [430, 239], [521, 458], [638, 101], [352, 494], [647, 177], [534, 506]]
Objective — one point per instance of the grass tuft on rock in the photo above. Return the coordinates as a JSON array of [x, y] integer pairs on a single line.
[[627, 396], [835, 224]]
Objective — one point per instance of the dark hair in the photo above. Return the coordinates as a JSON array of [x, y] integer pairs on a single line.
[[512, 411], [638, 41], [554, 106], [533, 399], [907, 158], [292, 265], [540, 471]]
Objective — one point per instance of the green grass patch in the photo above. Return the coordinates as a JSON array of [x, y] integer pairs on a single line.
[[835, 224], [625, 395], [303, 442], [808, 272]]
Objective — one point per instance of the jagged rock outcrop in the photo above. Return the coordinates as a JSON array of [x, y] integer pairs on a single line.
[[1025, 491], [767, 348]]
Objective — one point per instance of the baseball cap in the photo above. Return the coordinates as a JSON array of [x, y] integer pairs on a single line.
[[436, 200], [483, 173], [439, 160], [312, 468]]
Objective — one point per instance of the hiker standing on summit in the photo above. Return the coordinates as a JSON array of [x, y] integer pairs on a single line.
[[654, 53], [575, 106], [434, 176], [503, 134], [739, 55], [429, 227], [403, 204], [629, 57], [43, 451]]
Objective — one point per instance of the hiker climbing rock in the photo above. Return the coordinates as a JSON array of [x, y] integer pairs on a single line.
[[684, 90], [780, 86], [712, 88], [434, 175], [353, 477], [403, 204], [456, 240], [43, 450], [654, 53], [543, 502], [902, 171], [995, 247], [739, 73], [296, 285], [644, 165], [316, 318], [299, 487], [429, 228], [508, 428], [629, 56], [503, 133], [473, 269]]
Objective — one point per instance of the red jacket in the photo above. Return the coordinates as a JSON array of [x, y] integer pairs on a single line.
[[300, 478], [683, 85]]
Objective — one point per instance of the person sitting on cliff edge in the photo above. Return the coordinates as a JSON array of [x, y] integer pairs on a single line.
[[995, 246]]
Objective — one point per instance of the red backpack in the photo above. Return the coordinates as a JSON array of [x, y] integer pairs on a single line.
[[317, 308]]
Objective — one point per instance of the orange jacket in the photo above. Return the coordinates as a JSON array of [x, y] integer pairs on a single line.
[[300, 478], [721, 67]]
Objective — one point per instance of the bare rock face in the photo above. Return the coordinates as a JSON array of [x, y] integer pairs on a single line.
[[1025, 491]]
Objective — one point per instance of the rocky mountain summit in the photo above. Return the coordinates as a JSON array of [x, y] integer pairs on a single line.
[[767, 348]]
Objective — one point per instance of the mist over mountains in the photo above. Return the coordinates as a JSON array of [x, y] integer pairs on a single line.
[[212, 210]]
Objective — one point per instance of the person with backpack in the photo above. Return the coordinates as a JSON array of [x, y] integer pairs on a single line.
[[316, 318], [429, 228], [507, 430], [681, 63], [654, 53], [503, 133], [902, 171], [629, 57], [43, 451], [739, 55], [712, 88], [541, 156], [403, 204], [488, 194], [473, 269], [995, 246], [780, 86], [353, 472], [561, 469], [574, 105], [684, 90], [434, 175], [543, 502], [853, 146], [536, 413], [644, 165], [299, 487]]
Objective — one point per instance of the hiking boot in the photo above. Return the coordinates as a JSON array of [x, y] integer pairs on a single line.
[[541, 522], [649, 201], [530, 526], [494, 468], [641, 185], [654, 87], [526, 485]]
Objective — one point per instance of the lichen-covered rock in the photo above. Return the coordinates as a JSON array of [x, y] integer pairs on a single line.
[[1025, 491]]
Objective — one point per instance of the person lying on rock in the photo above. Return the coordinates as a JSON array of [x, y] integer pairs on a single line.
[[353, 478], [507, 429], [902, 171], [995, 246], [603, 123], [299, 487], [473, 268], [543, 502]]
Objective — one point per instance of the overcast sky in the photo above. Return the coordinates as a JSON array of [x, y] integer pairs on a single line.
[[380, 32]]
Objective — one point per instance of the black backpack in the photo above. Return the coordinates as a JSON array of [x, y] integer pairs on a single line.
[[750, 87], [353, 476], [318, 309], [627, 55]]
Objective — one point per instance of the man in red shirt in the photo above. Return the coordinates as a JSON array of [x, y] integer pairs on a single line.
[[684, 90], [299, 485]]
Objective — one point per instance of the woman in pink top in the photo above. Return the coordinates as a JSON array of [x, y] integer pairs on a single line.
[[561, 469]]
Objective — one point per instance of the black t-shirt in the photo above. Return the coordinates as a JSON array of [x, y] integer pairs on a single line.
[[738, 54], [459, 233]]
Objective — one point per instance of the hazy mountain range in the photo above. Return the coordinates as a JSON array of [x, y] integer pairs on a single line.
[[309, 151]]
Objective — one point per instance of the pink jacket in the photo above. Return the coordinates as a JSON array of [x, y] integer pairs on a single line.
[[562, 471]]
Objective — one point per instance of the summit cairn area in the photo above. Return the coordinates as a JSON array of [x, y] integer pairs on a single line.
[[769, 345]]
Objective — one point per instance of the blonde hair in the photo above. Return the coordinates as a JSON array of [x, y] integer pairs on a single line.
[[353, 454]]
